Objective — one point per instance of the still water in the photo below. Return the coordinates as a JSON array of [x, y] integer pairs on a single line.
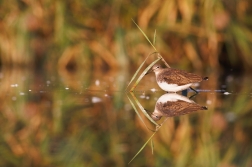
[[86, 119]]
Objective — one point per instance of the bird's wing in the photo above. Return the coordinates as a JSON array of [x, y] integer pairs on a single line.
[[171, 109], [180, 77]]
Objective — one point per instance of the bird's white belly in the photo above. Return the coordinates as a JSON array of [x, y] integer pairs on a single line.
[[173, 87], [173, 97]]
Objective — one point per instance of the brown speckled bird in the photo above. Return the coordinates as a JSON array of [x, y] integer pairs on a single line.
[[174, 80]]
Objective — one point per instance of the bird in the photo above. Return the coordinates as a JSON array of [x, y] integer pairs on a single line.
[[175, 80], [172, 104]]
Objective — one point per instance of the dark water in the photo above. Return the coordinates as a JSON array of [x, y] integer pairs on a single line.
[[86, 119]]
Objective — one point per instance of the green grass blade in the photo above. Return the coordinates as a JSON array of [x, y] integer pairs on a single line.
[[142, 147], [167, 65], [154, 39], [152, 147], [144, 35], [143, 73], [134, 76], [134, 107]]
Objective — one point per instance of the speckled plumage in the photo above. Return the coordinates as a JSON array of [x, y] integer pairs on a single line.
[[173, 80], [171, 109], [179, 77], [172, 104]]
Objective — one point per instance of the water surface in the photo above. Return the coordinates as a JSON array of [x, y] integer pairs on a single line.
[[86, 119]]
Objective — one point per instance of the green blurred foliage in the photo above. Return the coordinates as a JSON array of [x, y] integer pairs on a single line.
[[194, 33]]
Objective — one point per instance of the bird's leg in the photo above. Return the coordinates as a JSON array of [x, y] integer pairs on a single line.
[[193, 95], [194, 90], [184, 92]]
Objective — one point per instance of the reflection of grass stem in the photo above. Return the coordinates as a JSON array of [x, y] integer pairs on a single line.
[[142, 147], [134, 107], [143, 110], [152, 147], [150, 139], [147, 115]]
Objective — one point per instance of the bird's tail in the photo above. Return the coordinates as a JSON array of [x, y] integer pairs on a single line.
[[204, 108]]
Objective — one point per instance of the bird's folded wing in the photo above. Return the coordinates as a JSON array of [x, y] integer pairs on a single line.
[[180, 77], [171, 109]]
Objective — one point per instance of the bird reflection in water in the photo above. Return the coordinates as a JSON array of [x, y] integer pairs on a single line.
[[172, 104]]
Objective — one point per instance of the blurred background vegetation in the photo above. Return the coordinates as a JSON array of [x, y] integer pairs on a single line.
[[94, 34], [52, 51]]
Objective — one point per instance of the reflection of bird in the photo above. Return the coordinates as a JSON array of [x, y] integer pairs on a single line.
[[174, 80], [172, 104]]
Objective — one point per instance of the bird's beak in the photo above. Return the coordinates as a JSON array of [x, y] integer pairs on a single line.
[[149, 72]]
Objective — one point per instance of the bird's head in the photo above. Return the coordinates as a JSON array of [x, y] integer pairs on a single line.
[[155, 69], [155, 117]]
